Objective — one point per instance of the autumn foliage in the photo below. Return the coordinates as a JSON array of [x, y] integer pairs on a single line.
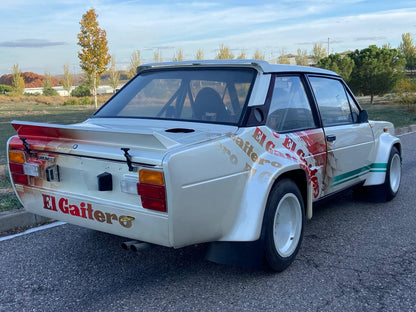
[[31, 80]]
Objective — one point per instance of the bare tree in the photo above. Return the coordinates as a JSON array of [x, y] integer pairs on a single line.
[[242, 56], [134, 63], [258, 55], [18, 84], [302, 58], [178, 57], [114, 74], [67, 81], [224, 53], [199, 54], [409, 50], [157, 57], [283, 58], [318, 52]]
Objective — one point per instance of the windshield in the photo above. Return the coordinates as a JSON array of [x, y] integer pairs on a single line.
[[199, 94]]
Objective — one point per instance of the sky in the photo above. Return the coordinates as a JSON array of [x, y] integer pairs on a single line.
[[41, 36]]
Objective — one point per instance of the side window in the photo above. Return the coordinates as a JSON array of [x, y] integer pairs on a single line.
[[289, 107], [354, 108], [332, 101]]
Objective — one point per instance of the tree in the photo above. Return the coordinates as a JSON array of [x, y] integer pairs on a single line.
[[199, 54], [81, 91], [409, 50], [157, 57], [406, 93], [5, 89], [302, 58], [47, 85], [94, 56], [318, 52], [242, 56], [343, 66], [258, 55], [114, 74], [178, 57], [67, 81], [283, 59], [376, 70], [134, 63], [224, 53], [18, 84]]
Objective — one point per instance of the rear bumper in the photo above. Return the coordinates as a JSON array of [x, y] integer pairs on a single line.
[[105, 216]]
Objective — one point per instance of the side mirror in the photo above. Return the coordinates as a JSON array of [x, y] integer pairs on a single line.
[[363, 116]]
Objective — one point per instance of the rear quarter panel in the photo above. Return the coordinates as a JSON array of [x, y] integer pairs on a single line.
[[218, 190]]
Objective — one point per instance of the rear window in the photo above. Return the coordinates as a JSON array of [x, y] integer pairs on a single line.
[[202, 95]]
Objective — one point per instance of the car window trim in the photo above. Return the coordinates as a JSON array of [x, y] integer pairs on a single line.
[[346, 90], [304, 82]]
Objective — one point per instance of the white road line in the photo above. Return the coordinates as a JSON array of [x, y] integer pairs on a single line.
[[399, 135], [39, 228]]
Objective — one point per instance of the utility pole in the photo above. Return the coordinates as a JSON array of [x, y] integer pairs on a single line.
[[328, 45]]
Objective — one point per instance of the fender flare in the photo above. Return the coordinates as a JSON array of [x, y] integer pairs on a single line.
[[382, 150], [249, 222]]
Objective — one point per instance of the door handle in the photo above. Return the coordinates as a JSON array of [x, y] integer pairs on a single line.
[[331, 137]]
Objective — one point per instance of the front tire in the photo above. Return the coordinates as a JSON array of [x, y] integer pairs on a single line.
[[284, 222], [393, 174]]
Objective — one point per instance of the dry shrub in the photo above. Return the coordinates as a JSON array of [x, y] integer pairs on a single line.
[[48, 100]]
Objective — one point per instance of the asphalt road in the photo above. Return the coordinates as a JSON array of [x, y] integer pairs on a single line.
[[356, 255]]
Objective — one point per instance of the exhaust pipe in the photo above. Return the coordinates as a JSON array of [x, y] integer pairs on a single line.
[[139, 246], [127, 245]]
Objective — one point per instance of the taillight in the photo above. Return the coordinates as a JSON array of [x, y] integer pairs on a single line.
[[16, 161], [150, 187], [20, 169]]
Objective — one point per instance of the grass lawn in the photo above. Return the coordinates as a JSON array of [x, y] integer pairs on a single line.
[[60, 114], [381, 110]]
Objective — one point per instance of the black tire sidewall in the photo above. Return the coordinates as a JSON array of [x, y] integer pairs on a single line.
[[279, 190], [390, 194]]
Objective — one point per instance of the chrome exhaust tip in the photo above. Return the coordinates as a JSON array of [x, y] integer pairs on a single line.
[[127, 245]]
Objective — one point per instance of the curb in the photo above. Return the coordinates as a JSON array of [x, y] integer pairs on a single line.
[[403, 130], [19, 218]]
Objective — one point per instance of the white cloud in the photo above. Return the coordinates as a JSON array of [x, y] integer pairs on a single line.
[[189, 25]]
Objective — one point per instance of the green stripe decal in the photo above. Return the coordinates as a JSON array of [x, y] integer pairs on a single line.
[[351, 175]]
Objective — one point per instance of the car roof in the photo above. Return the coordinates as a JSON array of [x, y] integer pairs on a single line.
[[260, 65]]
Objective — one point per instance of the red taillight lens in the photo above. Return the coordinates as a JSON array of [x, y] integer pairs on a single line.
[[152, 191], [151, 188], [20, 179], [18, 173], [153, 196], [154, 204], [16, 168]]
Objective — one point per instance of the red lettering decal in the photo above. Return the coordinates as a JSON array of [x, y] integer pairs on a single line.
[[90, 210], [49, 202], [289, 144], [270, 147], [259, 136], [74, 210], [83, 209], [301, 155], [63, 205]]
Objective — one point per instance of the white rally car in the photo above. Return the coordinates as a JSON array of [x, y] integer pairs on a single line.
[[229, 152]]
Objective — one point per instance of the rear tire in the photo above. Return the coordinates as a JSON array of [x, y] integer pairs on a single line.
[[284, 222]]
